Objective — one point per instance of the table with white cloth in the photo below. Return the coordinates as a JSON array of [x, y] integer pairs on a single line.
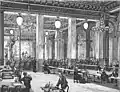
[[11, 84]]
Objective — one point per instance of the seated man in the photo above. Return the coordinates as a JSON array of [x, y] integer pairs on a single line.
[[46, 68], [63, 82], [104, 76], [76, 74]]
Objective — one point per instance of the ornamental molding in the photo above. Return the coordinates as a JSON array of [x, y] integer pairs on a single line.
[[78, 8], [85, 5], [50, 9]]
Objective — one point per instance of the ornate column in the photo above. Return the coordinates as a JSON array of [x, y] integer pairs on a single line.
[[46, 47], [88, 39], [71, 53], [115, 40], [56, 52], [97, 44], [88, 44], [77, 44], [117, 34], [110, 49], [65, 37], [1, 37], [50, 49], [39, 40], [101, 48], [106, 44], [115, 49], [58, 45], [53, 47], [119, 57], [61, 45], [62, 50]]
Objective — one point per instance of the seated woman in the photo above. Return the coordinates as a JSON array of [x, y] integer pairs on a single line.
[[104, 76], [99, 68], [62, 82]]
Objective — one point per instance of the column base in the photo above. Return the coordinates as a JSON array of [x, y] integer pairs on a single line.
[[39, 64]]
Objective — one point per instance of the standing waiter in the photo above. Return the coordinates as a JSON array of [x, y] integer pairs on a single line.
[[27, 81]]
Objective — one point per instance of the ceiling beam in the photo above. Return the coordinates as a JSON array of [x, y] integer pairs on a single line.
[[113, 6]]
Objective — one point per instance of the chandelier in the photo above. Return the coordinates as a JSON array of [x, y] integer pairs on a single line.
[[101, 25]]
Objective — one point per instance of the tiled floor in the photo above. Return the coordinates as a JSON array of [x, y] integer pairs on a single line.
[[40, 79]]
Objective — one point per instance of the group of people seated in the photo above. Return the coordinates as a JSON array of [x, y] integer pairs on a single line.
[[26, 79], [82, 78], [88, 62], [106, 77]]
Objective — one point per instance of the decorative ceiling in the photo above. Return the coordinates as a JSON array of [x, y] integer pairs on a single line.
[[95, 5], [91, 9]]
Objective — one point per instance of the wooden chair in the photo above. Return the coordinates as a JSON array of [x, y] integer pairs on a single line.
[[17, 88], [5, 88], [57, 89], [89, 78]]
